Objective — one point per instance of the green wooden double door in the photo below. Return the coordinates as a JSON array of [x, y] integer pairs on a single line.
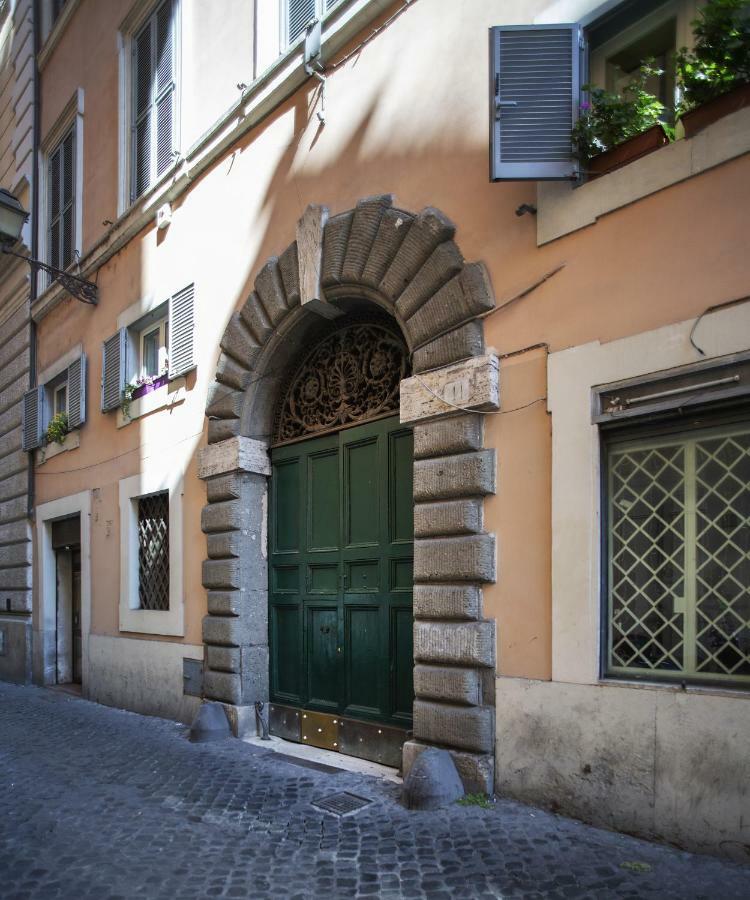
[[340, 579]]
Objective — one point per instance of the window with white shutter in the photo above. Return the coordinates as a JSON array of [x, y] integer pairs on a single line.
[[154, 91], [61, 395], [534, 97], [297, 14], [181, 327], [114, 362], [61, 202]]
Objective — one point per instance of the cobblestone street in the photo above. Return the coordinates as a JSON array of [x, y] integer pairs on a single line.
[[101, 803]]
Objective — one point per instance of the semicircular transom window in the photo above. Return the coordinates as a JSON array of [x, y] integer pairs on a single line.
[[353, 375]]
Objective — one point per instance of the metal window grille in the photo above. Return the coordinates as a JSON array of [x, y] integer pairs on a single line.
[[679, 556], [153, 551]]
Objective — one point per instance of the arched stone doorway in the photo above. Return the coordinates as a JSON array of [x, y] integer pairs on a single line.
[[409, 266]]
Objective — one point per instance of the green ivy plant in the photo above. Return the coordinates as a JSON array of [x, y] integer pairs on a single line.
[[608, 119], [57, 429], [720, 57]]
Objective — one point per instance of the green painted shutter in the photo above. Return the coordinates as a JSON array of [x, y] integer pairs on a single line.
[[32, 418], [114, 362], [77, 392], [535, 84], [181, 329]]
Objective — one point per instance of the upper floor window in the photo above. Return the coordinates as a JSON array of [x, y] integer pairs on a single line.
[[60, 396], [154, 90], [61, 202], [296, 15]]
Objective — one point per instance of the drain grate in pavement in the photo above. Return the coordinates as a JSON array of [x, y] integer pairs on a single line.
[[342, 804]]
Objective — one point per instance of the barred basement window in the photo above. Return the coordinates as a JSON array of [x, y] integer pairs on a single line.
[[153, 551], [678, 548]]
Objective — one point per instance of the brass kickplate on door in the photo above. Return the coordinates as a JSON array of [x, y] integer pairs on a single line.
[[319, 730]]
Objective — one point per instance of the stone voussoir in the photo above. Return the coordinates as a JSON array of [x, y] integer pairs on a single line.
[[270, 289], [256, 320], [447, 601], [461, 343], [446, 517], [238, 342], [335, 241], [365, 225], [444, 263], [462, 475], [465, 727], [222, 429], [448, 436], [455, 643], [430, 228], [289, 269], [230, 373], [393, 228], [457, 685], [224, 402]]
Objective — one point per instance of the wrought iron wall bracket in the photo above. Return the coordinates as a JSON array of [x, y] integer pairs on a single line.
[[85, 291]]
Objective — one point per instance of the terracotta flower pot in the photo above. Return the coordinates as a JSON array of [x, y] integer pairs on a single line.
[[631, 149], [697, 119]]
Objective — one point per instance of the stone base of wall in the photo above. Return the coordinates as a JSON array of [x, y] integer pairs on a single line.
[[15, 649], [658, 762], [476, 770]]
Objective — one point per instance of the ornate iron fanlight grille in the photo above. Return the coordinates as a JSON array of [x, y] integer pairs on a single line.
[[153, 551], [352, 376]]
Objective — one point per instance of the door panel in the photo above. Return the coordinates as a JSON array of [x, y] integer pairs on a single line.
[[345, 646]]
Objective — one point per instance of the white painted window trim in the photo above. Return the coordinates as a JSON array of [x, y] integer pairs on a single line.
[[129, 26], [576, 496], [159, 325], [70, 118], [46, 627], [133, 619], [55, 30]]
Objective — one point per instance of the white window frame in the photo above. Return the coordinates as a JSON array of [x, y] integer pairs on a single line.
[[63, 386], [132, 618], [162, 327], [49, 374], [129, 27], [71, 118]]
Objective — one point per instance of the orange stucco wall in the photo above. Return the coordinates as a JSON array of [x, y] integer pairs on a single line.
[[398, 122]]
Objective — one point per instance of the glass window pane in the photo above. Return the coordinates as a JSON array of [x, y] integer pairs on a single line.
[[150, 360], [61, 399]]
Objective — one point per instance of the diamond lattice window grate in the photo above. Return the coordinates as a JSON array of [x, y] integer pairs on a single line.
[[679, 557], [153, 552]]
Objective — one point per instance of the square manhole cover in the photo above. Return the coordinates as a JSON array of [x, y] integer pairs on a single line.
[[342, 804]]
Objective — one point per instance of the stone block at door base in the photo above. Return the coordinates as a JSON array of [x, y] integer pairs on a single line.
[[242, 720], [463, 727], [254, 674], [476, 770]]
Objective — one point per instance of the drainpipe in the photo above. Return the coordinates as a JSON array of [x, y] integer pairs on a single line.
[[35, 141]]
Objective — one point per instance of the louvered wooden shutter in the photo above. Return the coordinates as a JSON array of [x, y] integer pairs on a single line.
[[114, 362], [535, 90], [154, 89], [32, 418], [299, 13], [181, 328], [61, 203], [77, 392]]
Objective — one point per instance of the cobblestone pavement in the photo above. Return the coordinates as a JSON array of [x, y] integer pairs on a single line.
[[100, 803]]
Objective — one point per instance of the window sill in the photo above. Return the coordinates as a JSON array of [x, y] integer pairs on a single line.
[[72, 442], [735, 692], [169, 395], [563, 210]]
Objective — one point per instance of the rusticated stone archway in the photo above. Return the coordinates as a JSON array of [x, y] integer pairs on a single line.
[[410, 266]]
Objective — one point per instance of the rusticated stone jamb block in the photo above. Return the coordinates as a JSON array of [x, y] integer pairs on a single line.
[[226, 545], [457, 685], [393, 228], [239, 343], [447, 601], [223, 402], [364, 229], [465, 727], [254, 673], [221, 574], [335, 240], [226, 686], [222, 430], [461, 433], [289, 269], [270, 289], [463, 475], [250, 604], [255, 318], [226, 603], [224, 516], [224, 487], [472, 384], [233, 631], [236, 454], [429, 228], [461, 343], [470, 558], [231, 373], [444, 263], [448, 517], [476, 770], [223, 659], [455, 643], [467, 295]]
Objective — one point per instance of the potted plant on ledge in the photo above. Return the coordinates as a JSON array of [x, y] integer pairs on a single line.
[[714, 76], [615, 129]]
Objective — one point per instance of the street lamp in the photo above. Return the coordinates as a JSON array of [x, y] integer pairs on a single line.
[[12, 219]]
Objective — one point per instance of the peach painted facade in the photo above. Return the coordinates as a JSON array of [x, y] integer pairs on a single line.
[[406, 114]]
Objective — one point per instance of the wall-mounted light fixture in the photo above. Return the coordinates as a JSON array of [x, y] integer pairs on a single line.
[[12, 219]]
